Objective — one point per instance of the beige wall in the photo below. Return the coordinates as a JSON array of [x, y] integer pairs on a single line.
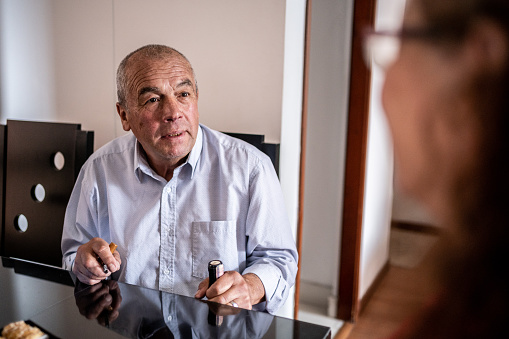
[[236, 48], [67, 52]]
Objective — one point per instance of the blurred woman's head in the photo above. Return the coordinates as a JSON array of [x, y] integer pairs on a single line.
[[446, 97], [446, 102]]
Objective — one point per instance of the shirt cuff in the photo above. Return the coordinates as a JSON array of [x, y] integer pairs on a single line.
[[270, 277], [69, 261]]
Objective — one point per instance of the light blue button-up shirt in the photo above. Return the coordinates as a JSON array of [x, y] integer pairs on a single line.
[[224, 203]]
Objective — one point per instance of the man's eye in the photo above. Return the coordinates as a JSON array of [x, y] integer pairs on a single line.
[[151, 100], [185, 94]]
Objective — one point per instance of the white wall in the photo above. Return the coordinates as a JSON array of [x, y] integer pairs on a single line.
[[329, 77], [27, 81], [292, 117], [378, 192]]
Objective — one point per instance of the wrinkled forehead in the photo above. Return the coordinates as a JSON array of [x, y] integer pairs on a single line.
[[146, 69]]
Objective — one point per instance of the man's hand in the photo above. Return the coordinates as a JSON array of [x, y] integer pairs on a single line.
[[245, 290], [86, 265]]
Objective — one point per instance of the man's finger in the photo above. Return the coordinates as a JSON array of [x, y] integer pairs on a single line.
[[86, 276], [102, 250], [230, 287], [223, 284], [202, 289]]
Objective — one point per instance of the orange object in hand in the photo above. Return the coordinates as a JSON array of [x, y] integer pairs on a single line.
[[113, 247]]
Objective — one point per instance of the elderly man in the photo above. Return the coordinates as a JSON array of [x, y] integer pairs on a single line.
[[174, 194]]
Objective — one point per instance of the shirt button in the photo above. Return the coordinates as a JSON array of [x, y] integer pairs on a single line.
[[170, 318], [166, 272]]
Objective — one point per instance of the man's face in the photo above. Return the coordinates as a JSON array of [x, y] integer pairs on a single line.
[[162, 109]]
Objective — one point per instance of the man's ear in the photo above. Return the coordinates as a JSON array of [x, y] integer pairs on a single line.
[[122, 113]]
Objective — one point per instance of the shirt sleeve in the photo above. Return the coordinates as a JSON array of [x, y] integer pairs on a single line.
[[271, 252], [79, 223]]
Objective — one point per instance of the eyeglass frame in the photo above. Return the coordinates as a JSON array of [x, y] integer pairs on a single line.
[[416, 33]]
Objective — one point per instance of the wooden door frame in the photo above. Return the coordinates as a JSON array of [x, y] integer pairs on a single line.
[[355, 166], [302, 161]]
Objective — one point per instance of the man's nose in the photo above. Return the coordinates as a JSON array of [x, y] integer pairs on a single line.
[[170, 109]]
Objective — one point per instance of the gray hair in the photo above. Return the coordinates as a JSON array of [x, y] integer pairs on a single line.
[[153, 52]]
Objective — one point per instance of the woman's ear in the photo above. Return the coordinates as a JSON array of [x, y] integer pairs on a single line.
[[487, 46]]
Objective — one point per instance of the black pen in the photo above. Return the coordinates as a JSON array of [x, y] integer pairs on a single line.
[[216, 270], [105, 267]]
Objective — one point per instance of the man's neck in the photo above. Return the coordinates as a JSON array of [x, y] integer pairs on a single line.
[[164, 169]]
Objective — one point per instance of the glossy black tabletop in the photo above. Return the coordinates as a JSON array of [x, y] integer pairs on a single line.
[[48, 297]]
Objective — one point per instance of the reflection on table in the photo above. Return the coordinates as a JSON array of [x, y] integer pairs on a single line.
[[48, 298]]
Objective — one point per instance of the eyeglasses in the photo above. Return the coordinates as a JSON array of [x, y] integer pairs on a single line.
[[382, 47]]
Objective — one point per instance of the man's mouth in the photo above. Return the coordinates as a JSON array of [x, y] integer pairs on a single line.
[[175, 134]]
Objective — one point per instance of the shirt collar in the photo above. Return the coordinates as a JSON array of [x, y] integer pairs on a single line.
[[141, 163], [195, 153]]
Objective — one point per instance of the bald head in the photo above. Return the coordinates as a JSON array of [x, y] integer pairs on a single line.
[[148, 52]]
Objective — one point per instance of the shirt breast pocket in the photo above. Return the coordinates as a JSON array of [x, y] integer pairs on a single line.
[[214, 240]]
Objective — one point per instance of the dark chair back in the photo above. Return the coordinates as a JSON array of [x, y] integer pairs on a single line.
[[41, 161], [258, 140]]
